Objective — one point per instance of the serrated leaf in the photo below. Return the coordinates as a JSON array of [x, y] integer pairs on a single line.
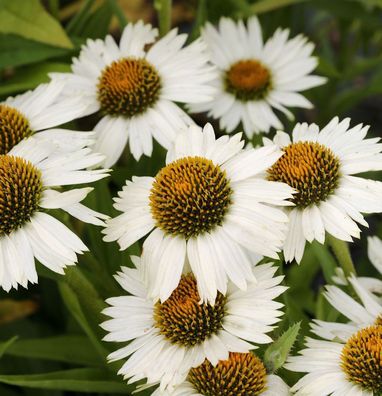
[[277, 353], [77, 380], [69, 348], [29, 19]]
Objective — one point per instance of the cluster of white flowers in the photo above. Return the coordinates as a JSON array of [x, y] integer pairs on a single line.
[[200, 299]]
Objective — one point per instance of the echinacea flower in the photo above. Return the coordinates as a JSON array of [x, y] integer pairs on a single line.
[[254, 77], [165, 340], [136, 88], [320, 166], [29, 175], [349, 359], [211, 204], [242, 374], [34, 112]]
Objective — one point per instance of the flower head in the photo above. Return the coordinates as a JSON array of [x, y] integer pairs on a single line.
[[241, 374], [210, 203], [255, 77], [181, 332], [350, 358], [34, 112], [136, 87], [29, 176], [320, 166]]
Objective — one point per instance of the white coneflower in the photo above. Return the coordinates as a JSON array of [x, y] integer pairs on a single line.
[[167, 339], [29, 172], [255, 77], [136, 88], [320, 165], [349, 361], [242, 374], [210, 203], [34, 112]]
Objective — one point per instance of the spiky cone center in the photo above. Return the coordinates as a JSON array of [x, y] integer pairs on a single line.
[[14, 127], [183, 320], [361, 359], [20, 192], [243, 374], [190, 196], [311, 169], [248, 80], [128, 87]]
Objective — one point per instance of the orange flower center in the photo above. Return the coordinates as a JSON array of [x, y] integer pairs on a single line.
[[243, 374], [311, 168], [361, 359], [14, 127], [248, 80], [20, 192], [183, 320], [128, 87], [190, 196]]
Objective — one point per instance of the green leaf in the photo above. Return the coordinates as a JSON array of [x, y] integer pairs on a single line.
[[270, 5], [326, 68], [4, 346], [97, 24], [77, 380], [277, 353], [69, 348], [71, 301], [17, 51], [30, 20], [30, 77], [75, 25]]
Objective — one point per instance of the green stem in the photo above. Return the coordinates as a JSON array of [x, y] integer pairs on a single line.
[[122, 20], [342, 253], [201, 17], [164, 15]]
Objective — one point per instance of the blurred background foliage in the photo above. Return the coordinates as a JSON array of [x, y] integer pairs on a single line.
[[50, 341]]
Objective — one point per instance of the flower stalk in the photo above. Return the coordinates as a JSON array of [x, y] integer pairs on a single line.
[[342, 253], [164, 15]]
